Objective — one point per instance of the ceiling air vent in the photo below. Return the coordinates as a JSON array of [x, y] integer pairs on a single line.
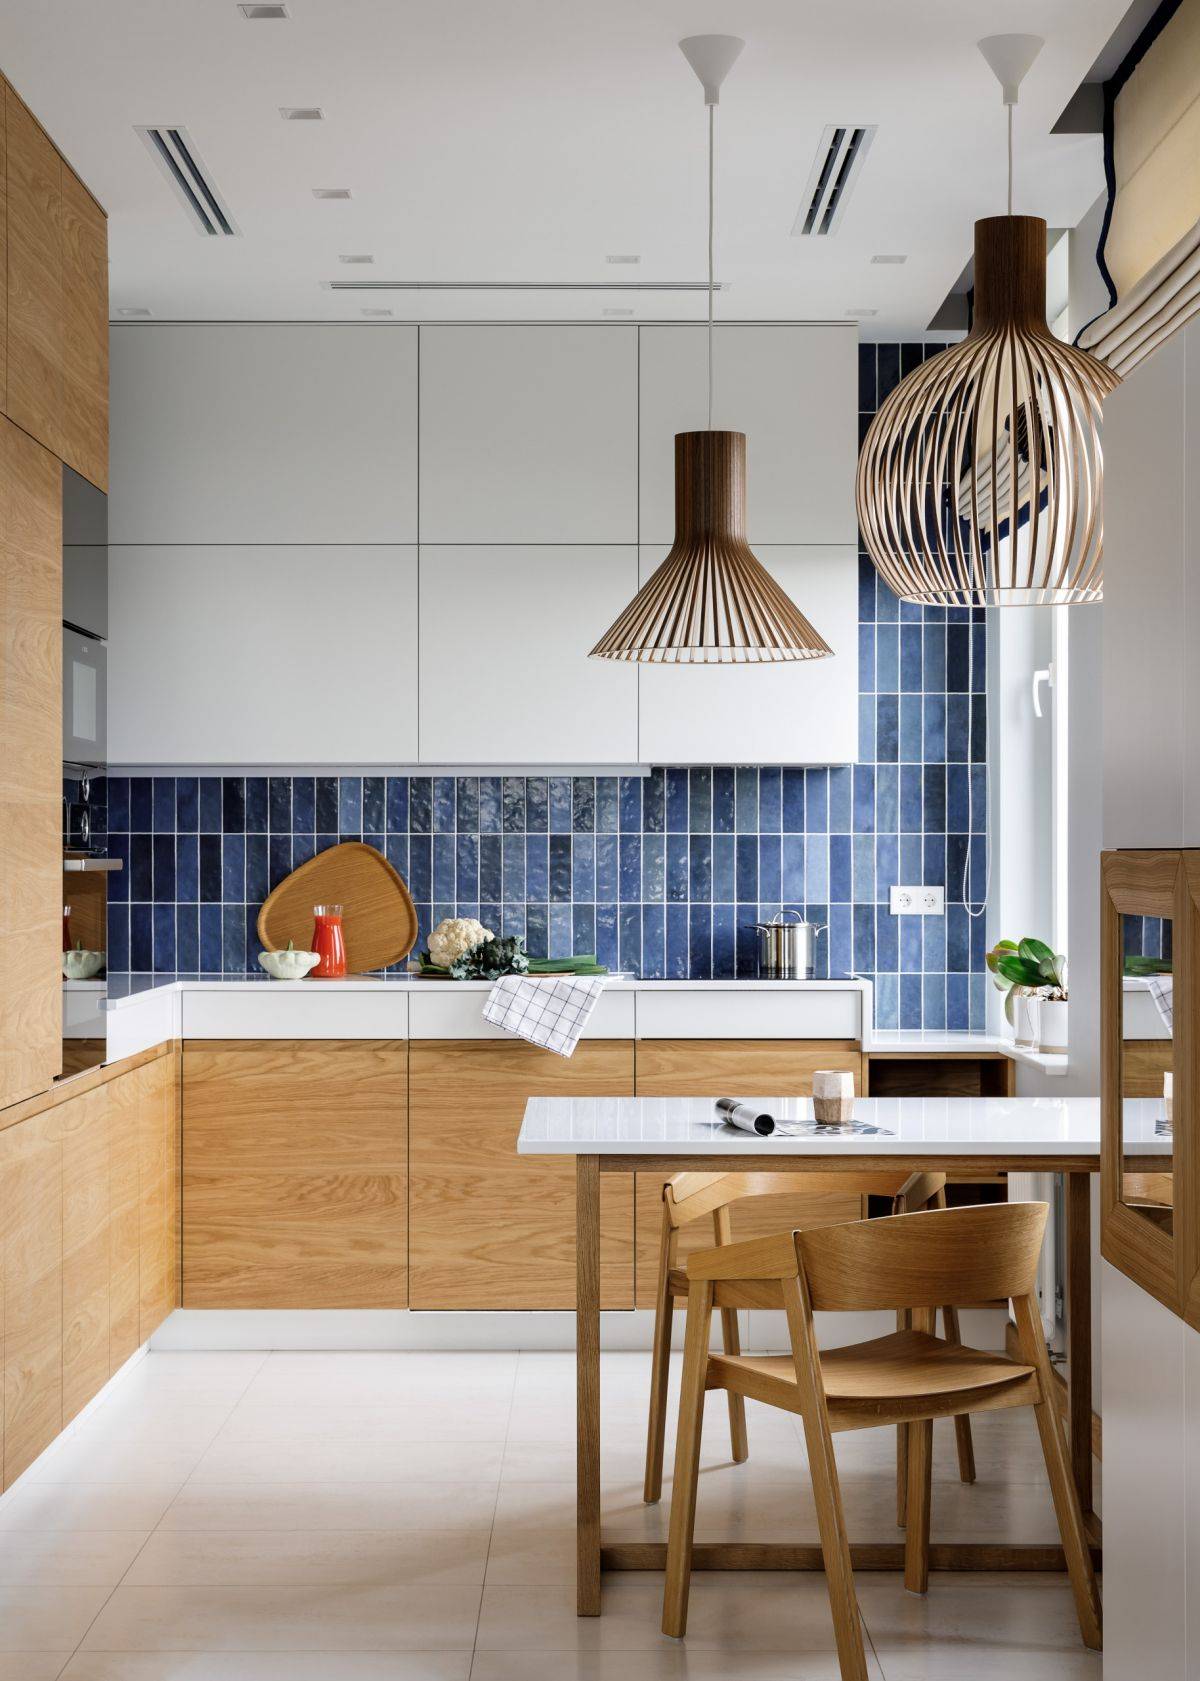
[[173, 152], [835, 170]]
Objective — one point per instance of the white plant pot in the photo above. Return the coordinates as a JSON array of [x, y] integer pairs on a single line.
[[1052, 1033], [1026, 1019]]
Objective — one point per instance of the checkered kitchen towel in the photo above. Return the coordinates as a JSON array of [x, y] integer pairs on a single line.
[[548, 1010], [1162, 990]]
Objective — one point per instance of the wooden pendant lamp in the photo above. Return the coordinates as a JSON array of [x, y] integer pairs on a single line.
[[711, 602], [979, 481]]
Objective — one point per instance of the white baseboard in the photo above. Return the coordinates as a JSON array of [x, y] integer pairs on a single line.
[[81, 1417], [364, 1329]]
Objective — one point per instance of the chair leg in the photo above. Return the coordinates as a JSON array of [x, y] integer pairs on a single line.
[[738, 1442], [1062, 1485], [916, 1539], [687, 1461], [903, 1323], [963, 1440], [660, 1369]]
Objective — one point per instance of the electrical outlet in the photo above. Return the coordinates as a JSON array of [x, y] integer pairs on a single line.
[[918, 901]]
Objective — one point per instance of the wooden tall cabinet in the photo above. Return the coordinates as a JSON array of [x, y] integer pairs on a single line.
[[30, 765]]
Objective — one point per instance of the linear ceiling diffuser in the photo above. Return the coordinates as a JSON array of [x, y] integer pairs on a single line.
[[711, 602], [979, 481]]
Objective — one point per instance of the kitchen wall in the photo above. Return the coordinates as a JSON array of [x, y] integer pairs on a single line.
[[661, 874]]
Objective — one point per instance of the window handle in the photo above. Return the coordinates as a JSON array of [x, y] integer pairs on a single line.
[[1039, 677]]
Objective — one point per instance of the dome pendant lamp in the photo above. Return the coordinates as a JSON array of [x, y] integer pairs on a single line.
[[711, 602], [979, 481]]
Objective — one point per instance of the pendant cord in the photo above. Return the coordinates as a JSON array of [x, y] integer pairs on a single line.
[[712, 112], [1010, 169], [967, 883]]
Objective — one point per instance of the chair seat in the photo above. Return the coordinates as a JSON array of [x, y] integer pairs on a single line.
[[888, 1376]]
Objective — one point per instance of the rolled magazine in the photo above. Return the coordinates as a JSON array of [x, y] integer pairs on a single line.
[[747, 1116]]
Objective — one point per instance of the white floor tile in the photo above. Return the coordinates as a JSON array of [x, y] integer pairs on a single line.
[[274, 1619], [87, 1459], [265, 1666], [463, 1506], [458, 1420], [107, 1506], [69, 1558], [358, 1458], [31, 1666], [961, 1616], [283, 1558], [47, 1619]]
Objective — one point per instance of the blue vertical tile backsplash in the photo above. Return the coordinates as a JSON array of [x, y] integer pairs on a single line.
[[663, 874]]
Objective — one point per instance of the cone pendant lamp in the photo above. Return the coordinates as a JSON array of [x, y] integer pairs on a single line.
[[979, 481], [711, 602]]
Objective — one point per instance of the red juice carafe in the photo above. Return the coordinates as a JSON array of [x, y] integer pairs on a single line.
[[67, 943], [328, 942]]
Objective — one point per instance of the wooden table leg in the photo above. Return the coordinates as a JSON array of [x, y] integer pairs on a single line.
[[1079, 1331], [587, 1386]]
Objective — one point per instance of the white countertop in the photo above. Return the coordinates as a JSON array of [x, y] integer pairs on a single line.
[[964, 1126]]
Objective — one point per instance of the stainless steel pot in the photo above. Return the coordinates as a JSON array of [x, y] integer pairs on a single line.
[[787, 950]]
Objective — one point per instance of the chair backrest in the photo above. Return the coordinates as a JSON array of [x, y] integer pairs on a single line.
[[696, 1194], [956, 1255]]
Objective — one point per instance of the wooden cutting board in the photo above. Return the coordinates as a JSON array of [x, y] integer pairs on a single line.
[[379, 922]]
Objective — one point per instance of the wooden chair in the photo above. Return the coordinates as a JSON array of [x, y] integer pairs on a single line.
[[691, 1196], [909, 1263]]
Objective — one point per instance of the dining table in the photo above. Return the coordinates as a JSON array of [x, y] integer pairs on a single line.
[[967, 1138]]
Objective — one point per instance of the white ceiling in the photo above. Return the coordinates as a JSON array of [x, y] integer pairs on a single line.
[[528, 139]]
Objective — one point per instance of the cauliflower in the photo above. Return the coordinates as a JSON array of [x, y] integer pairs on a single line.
[[454, 937]]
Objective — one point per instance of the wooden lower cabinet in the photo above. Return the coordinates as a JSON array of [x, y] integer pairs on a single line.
[[491, 1229], [735, 1068], [1144, 1063], [86, 1275], [294, 1174]]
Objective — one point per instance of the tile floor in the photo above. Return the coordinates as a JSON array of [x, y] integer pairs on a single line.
[[355, 1517]]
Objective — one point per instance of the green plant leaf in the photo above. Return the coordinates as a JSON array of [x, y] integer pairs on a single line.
[[1035, 951], [1019, 971]]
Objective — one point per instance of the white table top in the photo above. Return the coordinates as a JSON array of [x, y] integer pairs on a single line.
[[938, 1126]]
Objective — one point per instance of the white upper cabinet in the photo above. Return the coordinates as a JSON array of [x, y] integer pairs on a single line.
[[504, 636], [791, 390], [529, 434], [264, 433], [223, 655], [799, 713]]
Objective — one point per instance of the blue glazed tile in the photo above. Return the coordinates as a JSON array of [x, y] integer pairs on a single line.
[[770, 881], [888, 370], [607, 951], [654, 942], [325, 808], [864, 939], [793, 800], [561, 932], [445, 871], [934, 798], [887, 866], [887, 608], [279, 805], [700, 941], [793, 868], [770, 800], [958, 1005], [607, 805], [233, 939], [513, 797], [677, 942], [164, 805], [866, 656], [164, 939], [957, 712], [233, 804], [118, 938], [304, 806], [863, 867], [887, 1001], [187, 805], [911, 357], [257, 886], [373, 840], [866, 379], [210, 868], [911, 798], [654, 802], [911, 675], [466, 805], [210, 939], [560, 869], [866, 588], [630, 865], [958, 938], [141, 803], [910, 729], [630, 795], [746, 800], [816, 802], [279, 861], [933, 1001], [466, 865], [957, 650], [233, 868], [629, 934], [864, 799], [677, 866], [887, 728], [935, 729], [583, 868], [746, 941], [537, 929], [607, 873], [816, 869], [256, 805], [118, 803], [700, 870], [396, 808], [537, 865], [840, 880], [887, 658], [910, 1000], [911, 959], [978, 996], [141, 938], [512, 920], [677, 801], [118, 884], [724, 800], [654, 868], [491, 814], [141, 867], [934, 658], [583, 804], [911, 612], [583, 928], [724, 942], [490, 869], [887, 939], [445, 813], [978, 718], [700, 800], [187, 870], [420, 867], [933, 945], [724, 873], [536, 804], [374, 805], [841, 939], [746, 867], [560, 805], [304, 847]]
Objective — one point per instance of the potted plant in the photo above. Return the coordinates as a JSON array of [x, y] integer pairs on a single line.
[[1033, 979]]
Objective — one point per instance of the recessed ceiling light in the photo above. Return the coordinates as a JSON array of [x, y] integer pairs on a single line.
[[617, 312], [885, 257], [621, 259], [332, 192], [357, 257], [377, 312], [263, 14], [132, 312], [862, 312], [302, 113]]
